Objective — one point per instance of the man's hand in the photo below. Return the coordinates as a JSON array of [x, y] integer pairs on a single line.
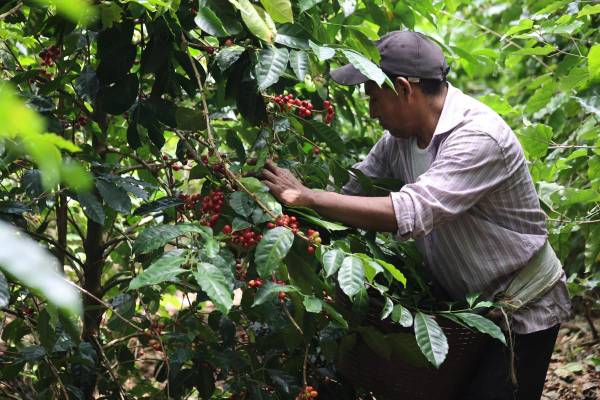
[[286, 187]]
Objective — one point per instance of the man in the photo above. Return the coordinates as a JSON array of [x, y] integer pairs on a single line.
[[468, 201]]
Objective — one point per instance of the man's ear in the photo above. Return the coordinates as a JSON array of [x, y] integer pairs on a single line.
[[403, 87]]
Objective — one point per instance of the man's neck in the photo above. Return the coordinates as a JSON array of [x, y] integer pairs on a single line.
[[431, 117]]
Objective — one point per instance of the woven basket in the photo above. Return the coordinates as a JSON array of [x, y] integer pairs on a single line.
[[407, 375]]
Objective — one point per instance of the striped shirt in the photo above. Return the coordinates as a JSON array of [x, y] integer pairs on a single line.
[[474, 214]]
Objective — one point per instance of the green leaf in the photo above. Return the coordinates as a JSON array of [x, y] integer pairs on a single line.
[[336, 316], [241, 203], [306, 5], [157, 236], [238, 224], [323, 53], [211, 248], [318, 131], [279, 10], [535, 51], [332, 261], [117, 98], [188, 119], [313, 304], [351, 275], [366, 67], [535, 139], [402, 316], [114, 196], [46, 330], [208, 21], [399, 276], [388, 307], [482, 324], [91, 207], [292, 36], [272, 248], [524, 25], [299, 63], [164, 269], [214, 283], [257, 21], [271, 64], [594, 62], [589, 10], [254, 185], [330, 226], [158, 205], [29, 263], [228, 56], [431, 339], [4, 292], [268, 290], [497, 103]]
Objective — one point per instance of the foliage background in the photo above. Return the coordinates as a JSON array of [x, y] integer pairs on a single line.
[[83, 145]]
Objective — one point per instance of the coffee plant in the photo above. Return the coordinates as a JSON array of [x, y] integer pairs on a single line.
[[133, 137]]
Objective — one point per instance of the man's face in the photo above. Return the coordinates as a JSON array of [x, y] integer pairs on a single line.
[[392, 110]]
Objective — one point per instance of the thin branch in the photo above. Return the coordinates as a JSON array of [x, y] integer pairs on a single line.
[[105, 304], [11, 11], [292, 320], [109, 369]]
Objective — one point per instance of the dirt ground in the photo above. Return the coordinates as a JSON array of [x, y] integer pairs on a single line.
[[574, 372]]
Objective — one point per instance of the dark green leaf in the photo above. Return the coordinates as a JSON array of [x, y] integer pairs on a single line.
[[271, 64], [91, 207], [214, 283], [189, 119], [313, 304], [158, 205], [157, 236], [114, 196], [241, 203], [227, 56], [318, 131], [208, 21], [273, 247], [268, 290], [164, 269], [117, 98], [431, 339], [482, 324]]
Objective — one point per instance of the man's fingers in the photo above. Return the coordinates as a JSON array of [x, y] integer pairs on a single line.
[[268, 175], [270, 185], [271, 166]]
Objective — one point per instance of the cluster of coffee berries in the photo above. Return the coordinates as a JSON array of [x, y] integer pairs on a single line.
[[49, 55], [211, 208], [314, 238], [81, 121], [246, 238], [281, 295], [189, 201], [308, 393], [240, 269], [288, 102], [285, 220], [216, 167], [228, 42], [255, 283], [329, 111]]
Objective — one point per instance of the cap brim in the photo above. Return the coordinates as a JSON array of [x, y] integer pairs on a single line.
[[348, 75]]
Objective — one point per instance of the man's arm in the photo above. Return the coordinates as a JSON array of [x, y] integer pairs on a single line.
[[370, 213]]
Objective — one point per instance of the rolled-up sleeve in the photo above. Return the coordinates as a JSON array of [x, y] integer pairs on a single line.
[[375, 165], [468, 166]]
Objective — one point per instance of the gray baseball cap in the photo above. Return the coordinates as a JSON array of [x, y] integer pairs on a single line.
[[403, 53]]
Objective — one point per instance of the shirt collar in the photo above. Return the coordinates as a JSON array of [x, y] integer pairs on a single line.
[[452, 112]]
